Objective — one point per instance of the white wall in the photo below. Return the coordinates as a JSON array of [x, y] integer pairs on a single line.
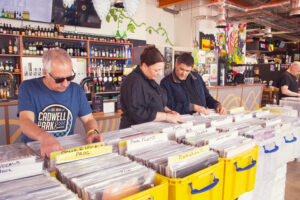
[[147, 12], [188, 26]]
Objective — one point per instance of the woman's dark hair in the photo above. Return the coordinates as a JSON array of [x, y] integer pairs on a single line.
[[186, 59], [151, 55]]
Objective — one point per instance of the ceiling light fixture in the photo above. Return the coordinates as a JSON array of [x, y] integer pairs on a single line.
[[68, 3], [102, 7]]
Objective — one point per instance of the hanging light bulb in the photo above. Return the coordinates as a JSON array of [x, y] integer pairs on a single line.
[[68, 3], [131, 7], [102, 7]]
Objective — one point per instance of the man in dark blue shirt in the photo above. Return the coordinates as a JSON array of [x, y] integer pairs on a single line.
[[186, 90]]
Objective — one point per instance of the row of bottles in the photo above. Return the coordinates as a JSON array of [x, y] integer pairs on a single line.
[[14, 14], [116, 52], [54, 32], [9, 66], [5, 90], [38, 48], [105, 76], [29, 31], [12, 48]]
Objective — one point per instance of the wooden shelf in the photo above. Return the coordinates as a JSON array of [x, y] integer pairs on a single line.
[[11, 35], [111, 92], [105, 42], [109, 58], [53, 38], [16, 72], [9, 55], [42, 56]]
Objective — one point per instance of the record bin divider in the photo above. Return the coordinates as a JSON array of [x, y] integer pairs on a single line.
[[240, 174], [205, 184]]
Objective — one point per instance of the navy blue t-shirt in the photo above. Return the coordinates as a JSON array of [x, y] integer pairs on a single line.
[[54, 112]]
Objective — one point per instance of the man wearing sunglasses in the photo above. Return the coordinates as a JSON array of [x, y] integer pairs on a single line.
[[48, 106]]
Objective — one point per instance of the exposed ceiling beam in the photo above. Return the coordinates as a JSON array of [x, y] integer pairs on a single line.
[[167, 3]]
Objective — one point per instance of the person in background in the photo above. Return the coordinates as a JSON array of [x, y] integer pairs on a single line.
[[257, 77], [186, 90], [287, 83], [48, 106], [142, 99]]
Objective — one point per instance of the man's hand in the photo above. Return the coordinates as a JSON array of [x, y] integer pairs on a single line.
[[220, 109], [49, 144], [94, 137], [201, 109], [174, 118]]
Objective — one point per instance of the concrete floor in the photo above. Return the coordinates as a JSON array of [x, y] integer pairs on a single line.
[[292, 189]]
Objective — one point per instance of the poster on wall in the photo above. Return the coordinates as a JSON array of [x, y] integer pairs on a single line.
[[213, 73], [296, 57], [232, 40], [169, 59]]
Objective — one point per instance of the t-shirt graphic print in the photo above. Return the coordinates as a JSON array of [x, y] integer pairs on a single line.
[[55, 119]]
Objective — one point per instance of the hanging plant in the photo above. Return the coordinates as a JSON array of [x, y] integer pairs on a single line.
[[119, 16]]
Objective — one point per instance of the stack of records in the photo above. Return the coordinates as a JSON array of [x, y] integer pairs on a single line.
[[108, 176], [230, 147], [72, 143], [114, 138], [15, 158], [287, 107], [67, 142], [174, 160], [37, 187]]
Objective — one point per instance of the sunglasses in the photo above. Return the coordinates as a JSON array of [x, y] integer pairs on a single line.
[[60, 80]]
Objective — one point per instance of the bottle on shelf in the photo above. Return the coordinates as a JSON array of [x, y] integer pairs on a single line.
[[1, 66], [15, 48], [10, 47]]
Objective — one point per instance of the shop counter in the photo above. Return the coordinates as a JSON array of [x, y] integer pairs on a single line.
[[248, 96]]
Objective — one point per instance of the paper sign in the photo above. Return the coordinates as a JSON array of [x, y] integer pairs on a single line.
[[189, 154], [146, 141], [84, 147], [85, 153]]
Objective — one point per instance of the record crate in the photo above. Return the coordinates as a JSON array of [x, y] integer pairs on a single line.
[[206, 184], [240, 174], [158, 192]]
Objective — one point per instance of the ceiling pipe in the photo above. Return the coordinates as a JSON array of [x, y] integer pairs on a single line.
[[295, 8], [221, 23]]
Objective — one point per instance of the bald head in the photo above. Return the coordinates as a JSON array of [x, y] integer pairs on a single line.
[[295, 68]]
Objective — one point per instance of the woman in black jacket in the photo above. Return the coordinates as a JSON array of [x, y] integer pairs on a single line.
[[142, 99]]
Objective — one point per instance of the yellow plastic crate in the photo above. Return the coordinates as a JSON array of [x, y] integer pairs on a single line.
[[240, 174], [206, 184], [158, 192]]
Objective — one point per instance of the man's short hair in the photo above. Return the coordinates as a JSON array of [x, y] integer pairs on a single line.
[[186, 59], [60, 55]]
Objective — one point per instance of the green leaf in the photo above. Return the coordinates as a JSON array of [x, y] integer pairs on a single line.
[[108, 18], [163, 34], [149, 31], [112, 11], [131, 28], [159, 24], [121, 21], [115, 17]]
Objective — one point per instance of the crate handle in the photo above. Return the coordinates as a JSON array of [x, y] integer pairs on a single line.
[[209, 187], [290, 141], [245, 168], [271, 151]]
